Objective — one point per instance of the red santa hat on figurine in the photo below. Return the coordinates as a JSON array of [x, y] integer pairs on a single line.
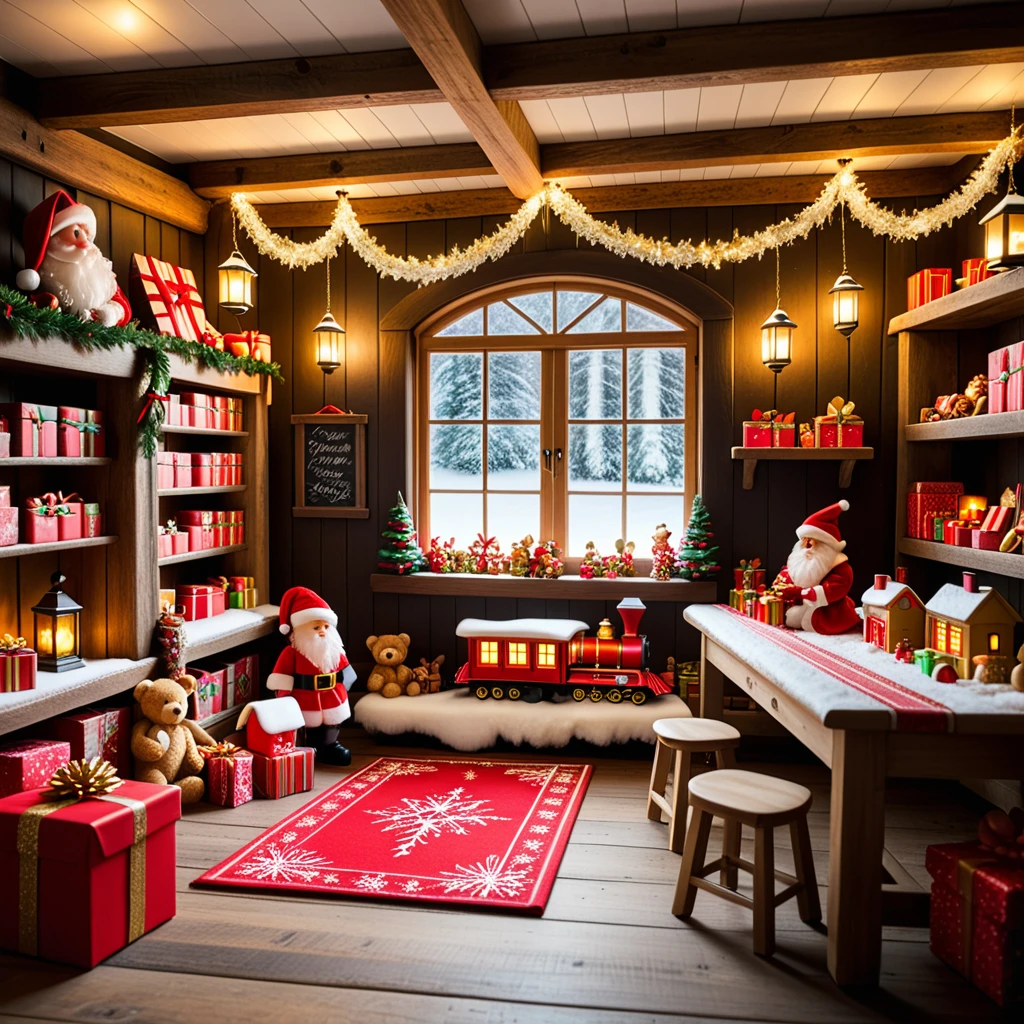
[[816, 580], [301, 605], [62, 259]]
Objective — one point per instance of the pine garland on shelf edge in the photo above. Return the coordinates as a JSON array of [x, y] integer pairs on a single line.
[[25, 320]]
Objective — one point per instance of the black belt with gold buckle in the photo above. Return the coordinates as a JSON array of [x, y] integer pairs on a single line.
[[324, 681]]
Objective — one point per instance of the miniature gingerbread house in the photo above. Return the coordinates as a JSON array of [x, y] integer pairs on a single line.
[[270, 725], [967, 621], [892, 613]]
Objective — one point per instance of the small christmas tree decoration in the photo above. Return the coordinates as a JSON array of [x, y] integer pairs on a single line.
[[695, 559], [400, 553]]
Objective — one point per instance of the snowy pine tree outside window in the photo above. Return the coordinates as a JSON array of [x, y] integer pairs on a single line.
[[559, 412]]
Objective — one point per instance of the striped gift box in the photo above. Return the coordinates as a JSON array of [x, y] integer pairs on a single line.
[[275, 777]]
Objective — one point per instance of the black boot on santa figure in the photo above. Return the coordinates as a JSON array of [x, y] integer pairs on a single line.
[[315, 671]]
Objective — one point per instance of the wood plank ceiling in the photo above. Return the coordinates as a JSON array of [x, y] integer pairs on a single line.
[[341, 81]]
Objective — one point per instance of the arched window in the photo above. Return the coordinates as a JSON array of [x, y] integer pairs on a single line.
[[564, 411]]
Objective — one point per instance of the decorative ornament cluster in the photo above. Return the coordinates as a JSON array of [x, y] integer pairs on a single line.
[[843, 189]]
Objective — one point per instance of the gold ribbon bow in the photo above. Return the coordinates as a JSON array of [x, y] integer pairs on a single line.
[[840, 408], [10, 643], [223, 749]]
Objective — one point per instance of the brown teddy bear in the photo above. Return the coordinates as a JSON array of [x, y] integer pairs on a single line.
[[164, 741], [391, 677], [428, 675]]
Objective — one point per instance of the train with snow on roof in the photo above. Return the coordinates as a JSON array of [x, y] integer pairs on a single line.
[[529, 659]]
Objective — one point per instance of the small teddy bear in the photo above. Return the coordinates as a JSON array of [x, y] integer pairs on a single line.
[[164, 740], [391, 677], [428, 674]]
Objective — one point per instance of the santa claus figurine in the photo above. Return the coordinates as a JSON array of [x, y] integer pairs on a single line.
[[816, 581], [65, 267], [315, 671]]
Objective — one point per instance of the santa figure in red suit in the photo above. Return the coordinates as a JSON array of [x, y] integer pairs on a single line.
[[315, 671], [816, 580], [64, 266]]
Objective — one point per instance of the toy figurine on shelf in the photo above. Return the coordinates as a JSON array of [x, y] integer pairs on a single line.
[[971, 402], [592, 565], [664, 559], [695, 559], [546, 561], [904, 652], [621, 563], [519, 560]]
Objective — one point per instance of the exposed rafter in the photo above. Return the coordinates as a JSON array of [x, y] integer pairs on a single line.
[[446, 41]]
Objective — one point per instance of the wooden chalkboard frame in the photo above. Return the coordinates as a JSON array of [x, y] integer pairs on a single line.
[[359, 509]]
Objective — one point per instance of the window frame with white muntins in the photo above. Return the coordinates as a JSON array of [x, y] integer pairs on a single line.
[[614, 319]]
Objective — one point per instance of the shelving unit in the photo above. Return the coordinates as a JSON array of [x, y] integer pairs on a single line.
[[195, 556], [17, 550], [172, 492], [974, 428], [207, 637], [170, 428], [968, 558], [17, 461], [846, 457]]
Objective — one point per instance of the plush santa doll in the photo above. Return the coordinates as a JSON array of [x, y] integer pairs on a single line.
[[817, 578], [315, 671], [63, 261]]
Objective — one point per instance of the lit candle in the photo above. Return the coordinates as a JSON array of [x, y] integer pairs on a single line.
[[972, 508], [65, 637]]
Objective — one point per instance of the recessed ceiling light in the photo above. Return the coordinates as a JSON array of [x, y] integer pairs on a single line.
[[125, 20]]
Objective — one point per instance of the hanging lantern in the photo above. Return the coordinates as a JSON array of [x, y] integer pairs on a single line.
[[329, 335], [845, 304], [234, 279], [777, 341], [57, 625], [1004, 230]]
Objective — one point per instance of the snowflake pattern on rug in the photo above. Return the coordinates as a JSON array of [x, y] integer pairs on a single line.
[[372, 883], [276, 865], [487, 879], [307, 820], [530, 774], [469, 776], [394, 769]]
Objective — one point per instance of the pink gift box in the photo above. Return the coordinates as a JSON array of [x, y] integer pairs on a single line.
[[179, 543], [29, 764], [72, 525], [1015, 384], [92, 523], [963, 536], [80, 432], [163, 545], [41, 529], [208, 698], [164, 470], [5, 495], [5, 444], [986, 540], [756, 434], [173, 411], [8, 526], [998, 363], [33, 429], [202, 470]]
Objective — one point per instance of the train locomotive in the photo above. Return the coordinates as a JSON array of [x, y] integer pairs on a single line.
[[529, 659]]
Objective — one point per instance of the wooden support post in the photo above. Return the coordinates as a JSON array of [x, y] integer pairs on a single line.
[[711, 685]]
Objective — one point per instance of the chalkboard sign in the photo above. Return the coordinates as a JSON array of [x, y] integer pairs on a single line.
[[330, 465]]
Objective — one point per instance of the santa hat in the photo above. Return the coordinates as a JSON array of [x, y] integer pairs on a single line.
[[824, 525], [299, 605], [53, 214]]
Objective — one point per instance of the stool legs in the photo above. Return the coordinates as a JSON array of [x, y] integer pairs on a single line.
[[680, 801], [807, 898], [731, 848], [659, 776], [694, 852], [764, 891], [725, 758]]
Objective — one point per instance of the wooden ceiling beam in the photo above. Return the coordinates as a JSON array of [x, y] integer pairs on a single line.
[[757, 52], [446, 41], [218, 179], [822, 140], [718, 192], [235, 90], [87, 164]]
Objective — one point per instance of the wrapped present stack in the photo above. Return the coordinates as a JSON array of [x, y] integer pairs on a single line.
[[30, 430], [198, 469], [930, 504], [53, 517], [207, 529], [104, 732], [279, 768], [28, 764], [210, 412], [839, 427], [770, 429], [171, 540]]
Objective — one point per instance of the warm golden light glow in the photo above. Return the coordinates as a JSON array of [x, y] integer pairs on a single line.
[[487, 652], [993, 643], [517, 654], [234, 280], [777, 341], [67, 636], [1004, 230], [845, 304], [545, 655], [329, 339]]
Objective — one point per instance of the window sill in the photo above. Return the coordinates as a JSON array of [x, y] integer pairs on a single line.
[[564, 588]]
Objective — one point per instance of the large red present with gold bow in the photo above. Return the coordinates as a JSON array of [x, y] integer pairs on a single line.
[[81, 878], [977, 917], [170, 295], [839, 427]]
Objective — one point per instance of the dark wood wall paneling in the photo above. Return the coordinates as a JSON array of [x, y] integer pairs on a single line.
[[119, 233], [337, 556]]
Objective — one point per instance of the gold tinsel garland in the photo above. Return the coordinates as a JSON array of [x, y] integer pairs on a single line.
[[843, 189]]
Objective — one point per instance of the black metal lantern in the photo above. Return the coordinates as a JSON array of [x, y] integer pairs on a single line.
[[845, 304], [57, 629], [777, 341], [1004, 230], [234, 279], [329, 335]]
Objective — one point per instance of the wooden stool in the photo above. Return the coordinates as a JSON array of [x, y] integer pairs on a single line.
[[679, 738], [762, 802]]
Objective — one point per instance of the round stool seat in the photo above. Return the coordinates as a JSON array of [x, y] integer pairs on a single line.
[[697, 735], [761, 801]]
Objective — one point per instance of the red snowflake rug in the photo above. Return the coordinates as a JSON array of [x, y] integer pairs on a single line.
[[439, 830]]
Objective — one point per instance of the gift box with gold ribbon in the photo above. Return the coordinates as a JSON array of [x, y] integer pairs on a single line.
[[768, 608], [86, 866], [228, 774], [839, 427], [17, 664]]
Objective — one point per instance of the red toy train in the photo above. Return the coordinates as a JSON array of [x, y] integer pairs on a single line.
[[528, 659]]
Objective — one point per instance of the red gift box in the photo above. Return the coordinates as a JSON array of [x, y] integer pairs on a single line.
[[197, 408], [202, 469], [71, 525], [241, 680], [783, 435], [928, 285], [104, 871], [192, 517], [977, 917], [17, 665], [998, 518], [80, 432], [962, 535], [743, 579], [169, 295], [197, 600], [183, 472], [949, 529], [41, 515], [926, 500], [200, 538], [28, 764], [8, 526], [102, 732], [283, 775], [208, 698], [229, 777], [248, 343], [33, 429], [757, 434], [975, 271], [987, 540]]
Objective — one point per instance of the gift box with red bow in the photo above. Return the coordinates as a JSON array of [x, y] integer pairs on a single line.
[[102, 870], [228, 774], [167, 297], [757, 431], [33, 429], [27, 764], [928, 285], [17, 665], [42, 516], [80, 432]]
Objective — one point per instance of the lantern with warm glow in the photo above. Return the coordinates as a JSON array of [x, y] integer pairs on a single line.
[[57, 627], [845, 304], [1004, 230], [777, 332], [234, 279], [329, 335]]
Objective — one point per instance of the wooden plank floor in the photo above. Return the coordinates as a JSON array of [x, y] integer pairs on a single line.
[[607, 950]]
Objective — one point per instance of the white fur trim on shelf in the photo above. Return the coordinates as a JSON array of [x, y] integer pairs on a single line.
[[280, 681], [277, 715], [521, 629], [299, 618]]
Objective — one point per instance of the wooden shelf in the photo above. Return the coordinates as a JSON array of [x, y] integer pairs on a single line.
[[54, 354], [59, 692], [565, 587], [170, 428], [846, 457], [971, 428], [195, 556], [207, 637], [997, 562], [208, 378], [981, 305], [27, 460], [17, 550], [171, 492]]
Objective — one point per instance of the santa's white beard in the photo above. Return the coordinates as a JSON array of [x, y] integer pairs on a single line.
[[809, 566], [324, 652], [86, 284]]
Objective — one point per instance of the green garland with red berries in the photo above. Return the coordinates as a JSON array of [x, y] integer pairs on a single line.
[[24, 320]]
